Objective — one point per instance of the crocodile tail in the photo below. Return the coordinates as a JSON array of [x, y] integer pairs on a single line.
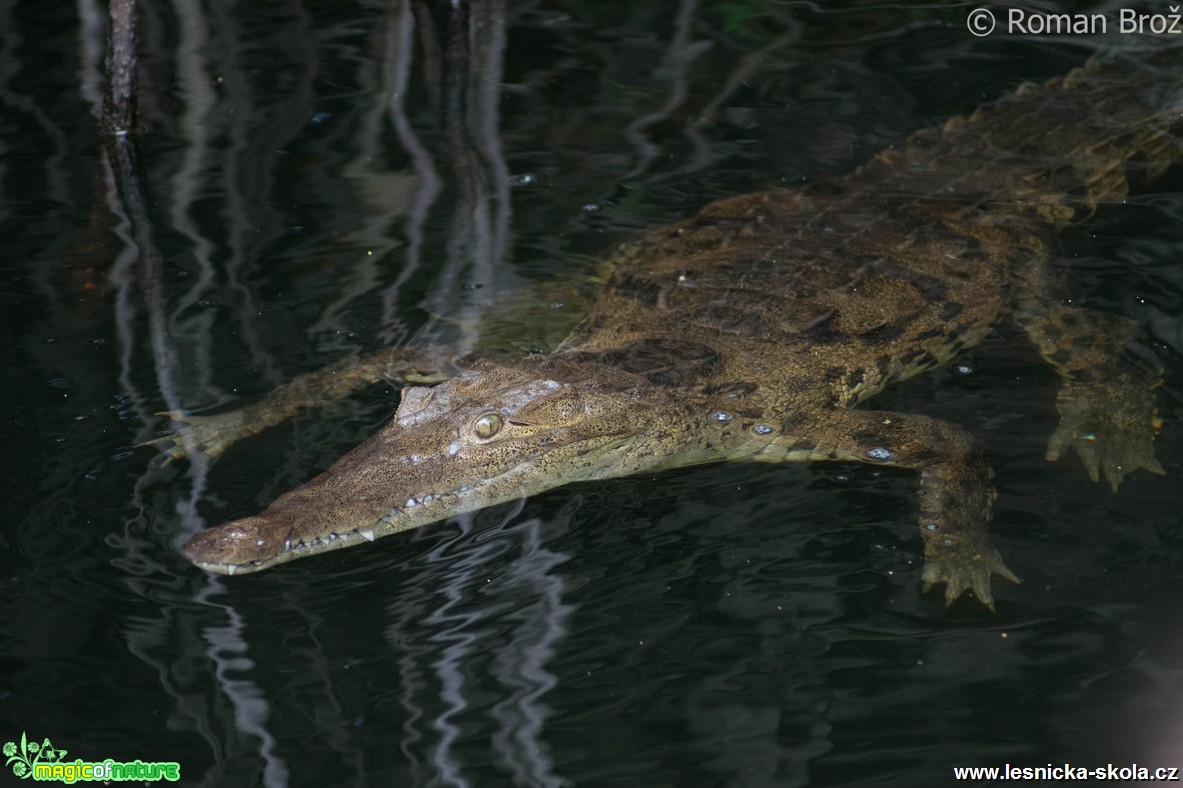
[[1060, 148]]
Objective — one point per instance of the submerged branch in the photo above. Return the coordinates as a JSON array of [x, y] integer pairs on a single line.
[[119, 110]]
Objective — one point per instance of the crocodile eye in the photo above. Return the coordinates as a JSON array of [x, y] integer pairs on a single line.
[[488, 425]]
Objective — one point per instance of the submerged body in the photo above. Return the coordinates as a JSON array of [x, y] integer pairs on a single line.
[[751, 330]]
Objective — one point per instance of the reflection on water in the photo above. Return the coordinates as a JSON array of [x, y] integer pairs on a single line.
[[314, 181]]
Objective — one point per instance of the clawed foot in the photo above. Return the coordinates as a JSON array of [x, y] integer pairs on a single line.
[[208, 435], [966, 571], [1110, 425]]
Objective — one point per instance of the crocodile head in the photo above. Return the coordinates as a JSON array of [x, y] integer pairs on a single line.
[[496, 432]]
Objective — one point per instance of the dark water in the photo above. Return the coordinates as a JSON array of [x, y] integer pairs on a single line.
[[716, 626]]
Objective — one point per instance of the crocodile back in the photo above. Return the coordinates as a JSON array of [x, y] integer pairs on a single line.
[[842, 287]]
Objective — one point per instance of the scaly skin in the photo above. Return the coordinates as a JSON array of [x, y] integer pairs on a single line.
[[751, 330]]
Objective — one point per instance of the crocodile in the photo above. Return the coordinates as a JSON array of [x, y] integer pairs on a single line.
[[757, 329]]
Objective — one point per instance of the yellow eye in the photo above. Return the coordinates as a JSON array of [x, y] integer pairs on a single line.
[[488, 425]]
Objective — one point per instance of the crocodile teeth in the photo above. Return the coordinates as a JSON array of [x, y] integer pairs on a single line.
[[231, 569], [410, 502], [367, 535], [287, 545]]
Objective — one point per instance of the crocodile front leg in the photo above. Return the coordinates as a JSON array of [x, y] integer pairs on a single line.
[[956, 494], [215, 433]]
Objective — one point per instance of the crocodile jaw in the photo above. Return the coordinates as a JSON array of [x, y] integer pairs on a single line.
[[288, 529]]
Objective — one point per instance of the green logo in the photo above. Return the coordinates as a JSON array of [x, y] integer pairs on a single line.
[[45, 762], [31, 753]]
